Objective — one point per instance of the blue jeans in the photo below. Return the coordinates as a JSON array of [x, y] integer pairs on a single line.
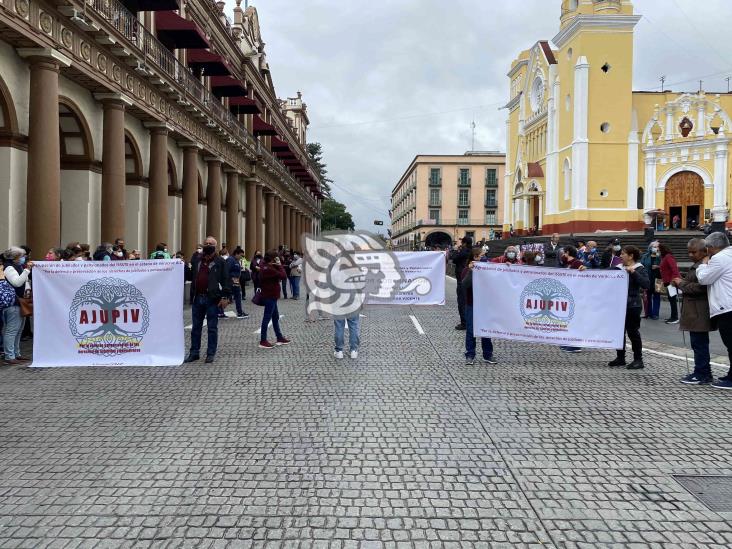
[[270, 313], [654, 304], [485, 342], [700, 346], [12, 328], [295, 285], [202, 308], [237, 300], [284, 288], [354, 332]]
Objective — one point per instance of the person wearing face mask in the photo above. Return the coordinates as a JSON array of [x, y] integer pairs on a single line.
[[485, 342], [16, 270], [103, 252], [651, 261], [256, 266], [119, 244], [611, 255], [161, 252], [591, 258], [117, 254], [570, 261], [509, 256], [295, 274], [210, 289]]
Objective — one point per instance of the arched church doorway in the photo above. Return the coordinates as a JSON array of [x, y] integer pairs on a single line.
[[438, 239], [685, 199]]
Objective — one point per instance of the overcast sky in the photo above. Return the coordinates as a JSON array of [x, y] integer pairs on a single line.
[[385, 81]]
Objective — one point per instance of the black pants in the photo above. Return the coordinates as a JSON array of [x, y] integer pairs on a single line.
[[632, 330], [724, 322], [461, 302], [674, 307]]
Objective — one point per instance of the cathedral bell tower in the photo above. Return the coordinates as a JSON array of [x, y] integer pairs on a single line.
[[595, 60]]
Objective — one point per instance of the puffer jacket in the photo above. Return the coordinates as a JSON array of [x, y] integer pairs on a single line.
[[695, 305], [649, 261]]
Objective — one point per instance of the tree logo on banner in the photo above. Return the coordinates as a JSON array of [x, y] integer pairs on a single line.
[[547, 305], [109, 316], [342, 270]]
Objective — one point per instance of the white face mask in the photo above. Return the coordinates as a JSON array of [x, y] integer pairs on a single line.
[[617, 248], [511, 255], [118, 254]]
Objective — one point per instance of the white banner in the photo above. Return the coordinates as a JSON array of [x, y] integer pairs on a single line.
[[550, 306], [422, 279], [108, 313]]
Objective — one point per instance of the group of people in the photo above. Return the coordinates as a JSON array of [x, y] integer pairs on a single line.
[[706, 291]]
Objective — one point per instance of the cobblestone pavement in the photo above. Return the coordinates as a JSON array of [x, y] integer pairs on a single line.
[[405, 447]]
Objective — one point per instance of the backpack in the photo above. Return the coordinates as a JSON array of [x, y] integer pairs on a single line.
[[8, 297]]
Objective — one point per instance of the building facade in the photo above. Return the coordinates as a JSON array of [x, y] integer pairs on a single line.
[[151, 120], [440, 199], [585, 152]]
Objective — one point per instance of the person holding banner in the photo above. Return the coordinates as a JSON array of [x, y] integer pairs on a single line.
[[695, 317], [16, 272], [638, 281], [716, 272], [510, 255], [210, 289], [570, 261], [486, 342], [460, 257]]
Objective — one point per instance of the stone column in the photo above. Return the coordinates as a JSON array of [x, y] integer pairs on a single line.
[[251, 219], [232, 211], [270, 237], [189, 221], [43, 187], [157, 198], [213, 198], [260, 217], [294, 241], [286, 227], [113, 165]]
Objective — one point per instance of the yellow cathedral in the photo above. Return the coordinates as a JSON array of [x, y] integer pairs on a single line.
[[587, 153]]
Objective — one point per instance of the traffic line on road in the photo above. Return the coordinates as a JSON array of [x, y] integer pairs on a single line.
[[229, 314], [679, 357], [259, 330], [417, 325]]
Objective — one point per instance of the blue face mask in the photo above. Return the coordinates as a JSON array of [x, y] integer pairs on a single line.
[[21, 261]]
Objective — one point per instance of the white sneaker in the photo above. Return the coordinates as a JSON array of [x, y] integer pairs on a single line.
[[338, 354], [354, 354]]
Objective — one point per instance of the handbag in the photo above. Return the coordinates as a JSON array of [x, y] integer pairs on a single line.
[[246, 275], [659, 287], [26, 306], [257, 299]]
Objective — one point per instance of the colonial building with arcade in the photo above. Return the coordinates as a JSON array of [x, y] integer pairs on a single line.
[[585, 152], [150, 120]]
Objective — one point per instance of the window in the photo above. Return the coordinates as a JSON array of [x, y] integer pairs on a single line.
[[490, 217], [435, 177], [435, 197], [490, 198], [464, 197], [464, 178], [641, 198], [463, 217], [435, 216], [491, 178]]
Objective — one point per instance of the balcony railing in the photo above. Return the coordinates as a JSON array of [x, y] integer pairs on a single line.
[[158, 56], [491, 203], [435, 182], [463, 182], [464, 204], [435, 203], [491, 182]]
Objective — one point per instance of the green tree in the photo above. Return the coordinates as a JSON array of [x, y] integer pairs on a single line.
[[335, 217], [315, 151]]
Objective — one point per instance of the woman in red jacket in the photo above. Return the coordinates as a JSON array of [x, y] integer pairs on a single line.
[[271, 275], [669, 271]]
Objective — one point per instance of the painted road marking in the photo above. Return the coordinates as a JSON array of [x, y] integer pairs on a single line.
[[417, 325]]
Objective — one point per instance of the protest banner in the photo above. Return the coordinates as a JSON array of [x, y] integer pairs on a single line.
[[108, 313], [419, 278], [550, 306]]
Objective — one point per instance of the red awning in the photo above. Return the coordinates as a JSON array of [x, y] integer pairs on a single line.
[[262, 128], [244, 105], [150, 5], [207, 62], [177, 32], [279, 145], [227, 86]]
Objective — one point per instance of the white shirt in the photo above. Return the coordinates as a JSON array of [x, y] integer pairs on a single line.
[[15, 279], [717, 274]]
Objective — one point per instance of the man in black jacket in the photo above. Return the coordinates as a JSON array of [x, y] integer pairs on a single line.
[[210, 289], [460, 258], [552, 252]]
